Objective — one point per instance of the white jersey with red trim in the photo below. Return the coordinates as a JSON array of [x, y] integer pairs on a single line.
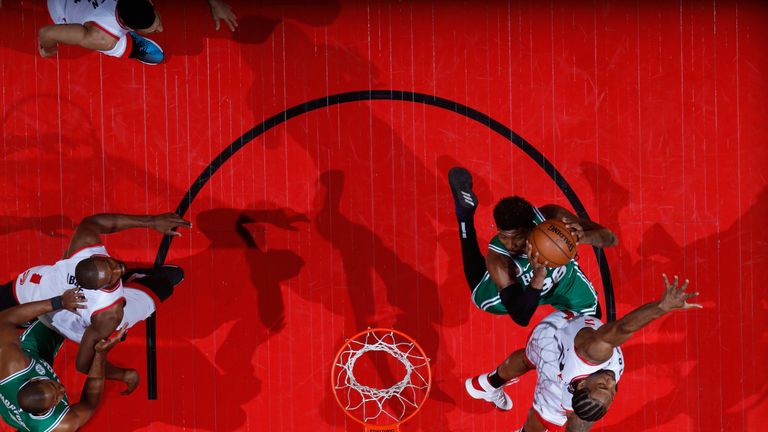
[[550, 351], [572, 366], [542, 352], [44, 282], [138, 306], [100, 13]]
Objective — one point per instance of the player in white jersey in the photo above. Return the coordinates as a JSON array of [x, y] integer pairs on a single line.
[[87, 265], [578, 361], [113, 27]]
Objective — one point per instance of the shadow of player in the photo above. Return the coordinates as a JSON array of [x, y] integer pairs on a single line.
[[409, 300]]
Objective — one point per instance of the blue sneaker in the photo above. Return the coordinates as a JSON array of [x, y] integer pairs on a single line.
[[145, 50]]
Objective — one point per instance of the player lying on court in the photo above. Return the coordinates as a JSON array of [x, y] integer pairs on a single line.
[[578, 362], [113, 27], [506, 281], [33, 399], [88, 266]]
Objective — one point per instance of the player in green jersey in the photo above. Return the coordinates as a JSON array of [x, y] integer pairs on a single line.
[[32, 397], [505, 281]]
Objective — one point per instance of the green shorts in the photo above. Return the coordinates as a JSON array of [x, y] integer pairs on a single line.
[[40, 342]]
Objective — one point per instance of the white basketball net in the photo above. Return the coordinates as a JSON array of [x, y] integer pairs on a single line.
[[373, 401]]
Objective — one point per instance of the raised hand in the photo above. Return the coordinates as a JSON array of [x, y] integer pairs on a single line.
[[73, 299], [675, 297], [105, 345], [575, 228], [166, 223], [222, 12]]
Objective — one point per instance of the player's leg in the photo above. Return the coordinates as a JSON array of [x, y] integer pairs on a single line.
[[489, 386], [533, 424], [540, 349], [465, 202]]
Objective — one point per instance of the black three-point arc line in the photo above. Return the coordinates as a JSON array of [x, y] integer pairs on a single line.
[[372, 95]]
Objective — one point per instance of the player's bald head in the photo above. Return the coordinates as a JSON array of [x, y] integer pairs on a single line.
[[88, 274], [38, 396], [98, 272]]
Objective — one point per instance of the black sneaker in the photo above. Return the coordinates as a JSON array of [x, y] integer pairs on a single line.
[[136, 273], [171, 273], [465, 200]]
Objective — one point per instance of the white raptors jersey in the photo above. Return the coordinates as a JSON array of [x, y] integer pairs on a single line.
[[100, 13], [44, 282], [138, 306], [572, 366]]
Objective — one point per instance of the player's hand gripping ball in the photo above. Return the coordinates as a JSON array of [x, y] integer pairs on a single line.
[[554, 243]]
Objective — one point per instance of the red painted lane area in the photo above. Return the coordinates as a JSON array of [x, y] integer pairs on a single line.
[[341, 218]]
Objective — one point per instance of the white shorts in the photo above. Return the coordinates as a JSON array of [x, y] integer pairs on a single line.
[[542, 352], [138, 307], [56, 8]]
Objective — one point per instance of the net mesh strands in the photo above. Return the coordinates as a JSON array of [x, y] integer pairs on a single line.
[[385, 407]]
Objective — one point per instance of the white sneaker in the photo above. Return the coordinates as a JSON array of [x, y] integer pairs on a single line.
[[479, 388]]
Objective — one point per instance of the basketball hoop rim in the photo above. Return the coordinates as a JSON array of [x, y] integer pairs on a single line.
[[394, 425]]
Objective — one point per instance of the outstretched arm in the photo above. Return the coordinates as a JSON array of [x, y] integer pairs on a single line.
[[585, 230], [81, 412], [86, 36], [92, 227], [598, 346]]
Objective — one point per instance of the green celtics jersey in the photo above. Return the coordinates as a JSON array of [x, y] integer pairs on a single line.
[[565, 287], [38, 342]]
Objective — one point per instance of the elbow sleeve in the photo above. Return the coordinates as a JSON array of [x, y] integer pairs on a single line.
[[520, 303]]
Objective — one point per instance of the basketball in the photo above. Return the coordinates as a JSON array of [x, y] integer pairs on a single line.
[[553, 242]]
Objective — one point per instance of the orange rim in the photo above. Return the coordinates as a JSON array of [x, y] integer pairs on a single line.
[[393, 425]]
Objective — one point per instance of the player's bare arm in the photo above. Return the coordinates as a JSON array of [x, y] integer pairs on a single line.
[[92, 227], [86, 36], [575, 424], [597, 345], [12, 358], [102, 326], [585, 230], [81, 412]]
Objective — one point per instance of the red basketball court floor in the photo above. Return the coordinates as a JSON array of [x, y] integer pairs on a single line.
[[340, 216]]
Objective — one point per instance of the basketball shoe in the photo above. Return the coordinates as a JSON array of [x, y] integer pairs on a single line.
[[465, 200], [145, 50], [171, 273], [479, 388]]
